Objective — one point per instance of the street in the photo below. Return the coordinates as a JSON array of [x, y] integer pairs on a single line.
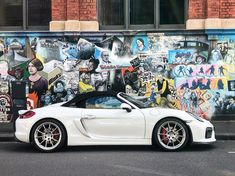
[[19, 159]]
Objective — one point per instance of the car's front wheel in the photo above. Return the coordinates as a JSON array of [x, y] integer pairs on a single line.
[[171, 134], [48, 135]]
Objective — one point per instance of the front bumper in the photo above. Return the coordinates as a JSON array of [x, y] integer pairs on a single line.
[[202, 132]]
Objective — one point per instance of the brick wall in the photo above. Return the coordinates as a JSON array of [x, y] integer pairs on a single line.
[[227, 9], [88, 10], [201, 9], [84, 10], [73, 9], [59, 10], [197, 9], [213, 9]]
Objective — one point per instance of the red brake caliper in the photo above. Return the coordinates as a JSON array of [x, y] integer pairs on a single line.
[[56, 134], [164, 136]]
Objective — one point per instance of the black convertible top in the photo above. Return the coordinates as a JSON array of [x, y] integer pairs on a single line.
[[84, 96]]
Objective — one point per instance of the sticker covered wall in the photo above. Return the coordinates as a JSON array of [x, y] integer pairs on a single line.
[[191, 72]]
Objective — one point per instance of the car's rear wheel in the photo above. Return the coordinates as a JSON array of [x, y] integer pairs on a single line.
[[48, 135], [171, 134]]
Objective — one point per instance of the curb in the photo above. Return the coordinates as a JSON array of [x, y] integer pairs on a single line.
[[7, 137], [225, 136]]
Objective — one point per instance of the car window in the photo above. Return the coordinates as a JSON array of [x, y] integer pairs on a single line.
[[104, 102], [136, 102]]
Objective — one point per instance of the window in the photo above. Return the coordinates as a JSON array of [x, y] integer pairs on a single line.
[[141, 14], [11, 13], [25, 14], [112, 12], [107, 102], [171, 12]]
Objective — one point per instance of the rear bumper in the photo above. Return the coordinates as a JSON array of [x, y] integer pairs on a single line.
[[22, 131]]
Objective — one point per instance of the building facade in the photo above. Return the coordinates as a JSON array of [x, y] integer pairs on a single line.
[[176, 54], [94, 14]]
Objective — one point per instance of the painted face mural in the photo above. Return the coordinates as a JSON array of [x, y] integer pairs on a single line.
[[187, 72], [32, 69]]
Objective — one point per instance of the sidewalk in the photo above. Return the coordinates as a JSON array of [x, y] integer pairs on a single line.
[[225, 130], [7, 132], [7, 136]]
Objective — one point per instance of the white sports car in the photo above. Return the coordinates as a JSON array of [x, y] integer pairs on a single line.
[[109, 118]]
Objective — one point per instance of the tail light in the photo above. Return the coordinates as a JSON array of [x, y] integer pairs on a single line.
[[27, 115]]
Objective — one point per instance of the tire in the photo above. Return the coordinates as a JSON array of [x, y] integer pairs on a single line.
[[48, 135], [171, 134]]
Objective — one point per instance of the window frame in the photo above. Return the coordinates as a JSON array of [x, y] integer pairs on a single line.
[[156, 25], [25, 26]]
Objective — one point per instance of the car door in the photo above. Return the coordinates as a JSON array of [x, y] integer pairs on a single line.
[[103, 118]]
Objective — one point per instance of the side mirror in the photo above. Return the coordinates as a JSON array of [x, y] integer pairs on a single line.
[[126, 106]]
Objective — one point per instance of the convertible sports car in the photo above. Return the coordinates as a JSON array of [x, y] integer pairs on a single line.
[[109, 118]]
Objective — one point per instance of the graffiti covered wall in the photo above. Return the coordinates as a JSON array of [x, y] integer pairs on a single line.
[[191, 72]]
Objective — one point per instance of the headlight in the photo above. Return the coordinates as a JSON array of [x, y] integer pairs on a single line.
[[195, 117]]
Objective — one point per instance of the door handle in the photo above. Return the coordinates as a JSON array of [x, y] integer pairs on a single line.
[[88, 116]]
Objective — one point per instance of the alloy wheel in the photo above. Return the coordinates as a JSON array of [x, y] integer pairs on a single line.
[[171, 135], [47, 136]]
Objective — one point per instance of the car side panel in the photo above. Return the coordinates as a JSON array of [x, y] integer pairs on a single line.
[[113, 123]]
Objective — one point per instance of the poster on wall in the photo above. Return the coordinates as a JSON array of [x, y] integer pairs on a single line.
[[5, 108]]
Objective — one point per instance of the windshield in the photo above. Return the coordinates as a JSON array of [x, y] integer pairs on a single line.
[[135, 101]]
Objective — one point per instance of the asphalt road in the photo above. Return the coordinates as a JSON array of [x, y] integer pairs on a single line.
[[218, 159]]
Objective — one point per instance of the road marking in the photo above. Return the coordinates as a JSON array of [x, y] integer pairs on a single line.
[[231, 152]]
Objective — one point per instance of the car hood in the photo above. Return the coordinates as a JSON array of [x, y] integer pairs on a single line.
[[157, 110]]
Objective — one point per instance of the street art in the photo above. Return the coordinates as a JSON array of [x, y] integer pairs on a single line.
[[5, 107], [192, 73]]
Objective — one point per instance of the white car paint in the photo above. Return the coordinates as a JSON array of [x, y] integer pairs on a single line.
[[110, 126]]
